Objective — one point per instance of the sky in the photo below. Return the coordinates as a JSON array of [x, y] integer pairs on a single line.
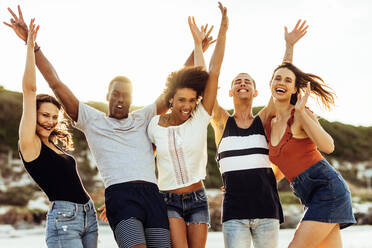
[[91, 42]]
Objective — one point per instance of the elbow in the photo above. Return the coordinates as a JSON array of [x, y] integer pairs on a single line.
[[29, 87], [329, 148]]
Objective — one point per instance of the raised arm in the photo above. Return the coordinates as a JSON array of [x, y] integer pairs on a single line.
[[27, 128], [63, 93], [311, 126], [198, 36], [207, 41], [218, 121], [291, 39], [210, 92]]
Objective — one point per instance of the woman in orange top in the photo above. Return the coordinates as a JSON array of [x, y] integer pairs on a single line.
[[295, 139]]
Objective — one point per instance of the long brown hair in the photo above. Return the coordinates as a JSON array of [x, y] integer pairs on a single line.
[[318, 87], [60, 133]]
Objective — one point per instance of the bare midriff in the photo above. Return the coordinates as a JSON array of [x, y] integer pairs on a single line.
[[187, 189]]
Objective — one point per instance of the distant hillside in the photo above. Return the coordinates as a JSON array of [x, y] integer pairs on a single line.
[[352, 144]]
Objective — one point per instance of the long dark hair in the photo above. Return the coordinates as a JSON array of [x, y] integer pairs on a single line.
[[188, 77], [60, 133], [318, 87]]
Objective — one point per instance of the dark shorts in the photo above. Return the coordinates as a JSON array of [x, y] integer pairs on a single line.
[[141, 201], [192, 206], [325, 195]]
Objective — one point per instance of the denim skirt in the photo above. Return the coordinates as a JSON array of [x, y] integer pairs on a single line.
[[324, 194]]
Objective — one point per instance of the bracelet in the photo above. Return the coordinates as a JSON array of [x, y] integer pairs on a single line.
[[36, 49]]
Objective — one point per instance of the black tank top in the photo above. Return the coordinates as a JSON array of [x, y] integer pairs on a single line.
[[57, 176], [251, 189]]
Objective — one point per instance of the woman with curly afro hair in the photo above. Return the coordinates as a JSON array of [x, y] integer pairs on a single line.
[[180, 137]]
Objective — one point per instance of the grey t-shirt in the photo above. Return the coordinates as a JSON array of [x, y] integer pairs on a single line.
[[121, 148]]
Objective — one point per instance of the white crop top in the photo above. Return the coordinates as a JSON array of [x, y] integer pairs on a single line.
[[181, 151]]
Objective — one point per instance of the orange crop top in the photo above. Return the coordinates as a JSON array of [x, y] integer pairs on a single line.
[[292, 156]]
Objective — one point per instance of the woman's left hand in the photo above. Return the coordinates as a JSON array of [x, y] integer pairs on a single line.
[[302, 99], [32, 33], [197, 34]]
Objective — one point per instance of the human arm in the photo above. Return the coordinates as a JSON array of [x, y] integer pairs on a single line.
[[63, 93], [207, 41], [210, 92], [218, 121], [277, 173], [310, 124], [291, 39], [28, 141], [198, 36]]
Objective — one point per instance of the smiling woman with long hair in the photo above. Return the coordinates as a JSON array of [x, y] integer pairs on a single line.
[[295, 141], [71, 219]]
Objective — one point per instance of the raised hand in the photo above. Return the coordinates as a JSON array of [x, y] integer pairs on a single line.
[[297, 33], [32, 33], [197, 34], [18, 24], [302, 100], [225, 19], [208, 40]]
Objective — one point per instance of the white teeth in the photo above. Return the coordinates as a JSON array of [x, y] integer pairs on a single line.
[[280, 90], [119, 106], [243, 90], [186, 112]]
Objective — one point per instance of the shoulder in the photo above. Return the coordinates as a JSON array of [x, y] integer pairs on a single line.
[[31, 151]]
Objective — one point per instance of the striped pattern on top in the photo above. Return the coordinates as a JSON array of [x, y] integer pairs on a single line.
[[242, 149]]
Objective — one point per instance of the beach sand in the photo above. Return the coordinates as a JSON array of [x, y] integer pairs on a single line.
[[352, 237]]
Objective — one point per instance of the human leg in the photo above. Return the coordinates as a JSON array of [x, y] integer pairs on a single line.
[[310, 234], [265, 233], [237, 233]]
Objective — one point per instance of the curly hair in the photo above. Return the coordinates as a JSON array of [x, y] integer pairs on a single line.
[[188, 77], [60, 133], [318, 87]]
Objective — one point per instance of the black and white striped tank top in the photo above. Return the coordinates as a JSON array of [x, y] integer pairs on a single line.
[[249, 181]]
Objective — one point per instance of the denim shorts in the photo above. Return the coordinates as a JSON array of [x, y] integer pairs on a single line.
[[324, 194], [191, 206], [71, 225]]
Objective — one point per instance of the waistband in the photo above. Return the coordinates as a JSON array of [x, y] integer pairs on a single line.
[[187, 195], [131, 185], [317, 166], [84, 207]]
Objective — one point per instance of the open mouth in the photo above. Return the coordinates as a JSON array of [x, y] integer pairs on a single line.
[[280, 90], [48, 128], [242, 91], [185, 113]]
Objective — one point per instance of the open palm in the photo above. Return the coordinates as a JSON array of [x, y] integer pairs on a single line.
[[297, 33]]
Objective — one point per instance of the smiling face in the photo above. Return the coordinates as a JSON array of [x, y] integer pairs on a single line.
[[120, 99], [283, 84], [184, 103], [243, 87], [47, 119]]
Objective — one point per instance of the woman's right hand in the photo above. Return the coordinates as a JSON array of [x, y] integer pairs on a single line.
[[296, 34]]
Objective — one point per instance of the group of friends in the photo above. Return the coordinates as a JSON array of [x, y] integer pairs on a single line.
[[171, 209]]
